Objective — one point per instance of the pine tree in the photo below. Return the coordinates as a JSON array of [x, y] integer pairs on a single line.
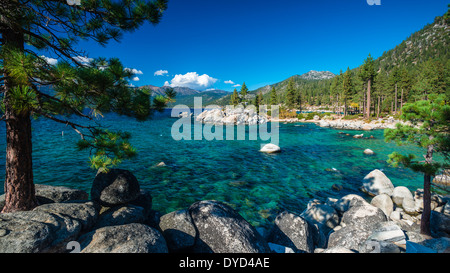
[[79, 83], [273, 96], [235, 98], [290, 94], [368, 74], [429, 129], [244, 91], [347, 88]]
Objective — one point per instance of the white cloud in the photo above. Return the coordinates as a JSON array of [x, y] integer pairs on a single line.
[[236, 85], [50, 61], [83, 60], [193, 80], [229, 82], [134, 71], [161, 73], [167, 83], [136, 79]]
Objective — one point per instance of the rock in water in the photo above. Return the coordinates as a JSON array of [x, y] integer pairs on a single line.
[[376, 183], [222, 230], [115, 187], [368, 152], [270, 148]]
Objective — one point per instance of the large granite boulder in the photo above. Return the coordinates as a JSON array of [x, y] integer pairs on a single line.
[[36, 231], [116, 187], [85, 212], [178, 230], [121, 215], [293, 231], [131, 238], [222, 230], [376, 183]]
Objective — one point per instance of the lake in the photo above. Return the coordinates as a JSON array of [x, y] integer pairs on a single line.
[[256, 184]]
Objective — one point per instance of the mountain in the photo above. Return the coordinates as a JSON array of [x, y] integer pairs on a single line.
[[317, 75], [433, 41], [186, 95], [312, 80]]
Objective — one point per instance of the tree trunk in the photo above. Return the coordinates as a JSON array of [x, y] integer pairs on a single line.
[[401, 101], [395, 99], [426, 213], [369, 86], [378, 107], [19, 187]]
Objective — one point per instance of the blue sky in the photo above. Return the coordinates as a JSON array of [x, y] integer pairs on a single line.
[[220, 44]]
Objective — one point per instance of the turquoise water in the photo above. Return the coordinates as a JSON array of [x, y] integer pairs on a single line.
[[258, 185]]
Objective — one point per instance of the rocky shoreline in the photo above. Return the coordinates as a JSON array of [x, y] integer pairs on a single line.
[[118, 218]]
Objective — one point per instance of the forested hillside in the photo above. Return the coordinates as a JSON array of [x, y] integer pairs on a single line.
[[411, 71]]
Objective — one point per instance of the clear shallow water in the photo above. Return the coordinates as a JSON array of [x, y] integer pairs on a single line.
[[258, 185]]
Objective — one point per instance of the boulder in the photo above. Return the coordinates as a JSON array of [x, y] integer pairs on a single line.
[[358, 136], [383, 202], [388, 232], [121, 215], [222, 230], [364, 216], [440, 224], [178, 230], [399, 194], [323, 123], [131, 238], [293, 231], [374, 246], [270, 148], [376, 183], [338, 249], [36, 231], [350, 237], [369, 152], [144, 200], [344, 203], [116, 187], [85, 212], [57, 194], [325, 216], [409, 206]]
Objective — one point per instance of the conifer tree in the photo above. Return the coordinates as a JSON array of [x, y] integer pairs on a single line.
[[81, 87], [244, 91], [235, 98], [273, 96], [368, 74], [290, 94], [429, 129], [347, 88]]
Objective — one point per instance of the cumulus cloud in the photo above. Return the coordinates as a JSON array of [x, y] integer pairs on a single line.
[[193, 80], [50, 61], [136, 79], [83, 59], [134, 71], [236, 85], [229, 82], [161, 73]]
